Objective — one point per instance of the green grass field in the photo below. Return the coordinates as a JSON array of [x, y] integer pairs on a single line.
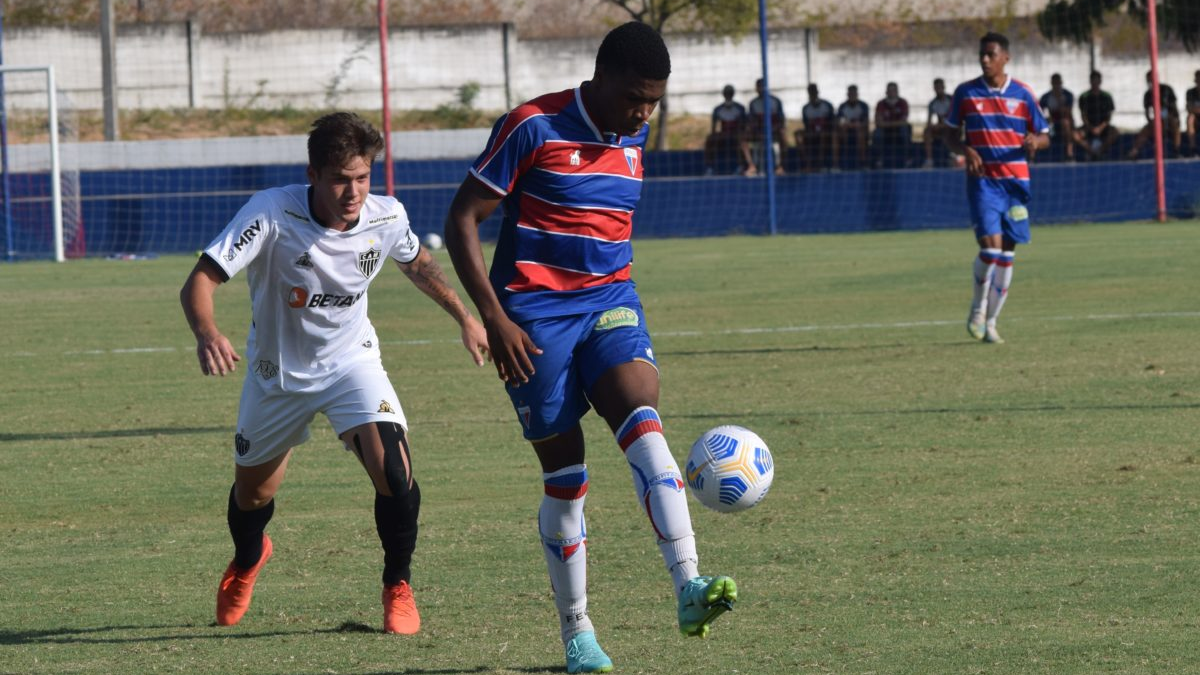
[[939, 506]]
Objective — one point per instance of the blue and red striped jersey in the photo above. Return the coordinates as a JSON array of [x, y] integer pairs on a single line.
[[996, 121], [569, 193]]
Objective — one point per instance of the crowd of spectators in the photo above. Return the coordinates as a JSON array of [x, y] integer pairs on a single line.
[[850, 136]]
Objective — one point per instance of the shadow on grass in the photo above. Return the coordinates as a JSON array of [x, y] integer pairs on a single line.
[[197, 632], [997, 410], [810, 348], [114, 433]]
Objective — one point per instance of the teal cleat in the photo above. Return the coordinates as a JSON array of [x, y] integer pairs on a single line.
[[585, 656], [702, 600]]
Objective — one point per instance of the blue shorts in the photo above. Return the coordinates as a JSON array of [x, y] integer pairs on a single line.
[[576, 351], [996, 211]]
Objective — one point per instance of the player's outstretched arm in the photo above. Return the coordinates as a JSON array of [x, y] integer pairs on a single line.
[[426, 274], [510, 346], [214, 351]]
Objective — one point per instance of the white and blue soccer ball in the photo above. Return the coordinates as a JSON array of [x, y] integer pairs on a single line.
[[432, 241], [729, 469]]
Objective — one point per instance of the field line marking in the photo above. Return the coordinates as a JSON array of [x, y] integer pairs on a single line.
[[810, 328]]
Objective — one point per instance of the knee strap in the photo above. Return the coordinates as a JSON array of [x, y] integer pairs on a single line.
[[397, 460]]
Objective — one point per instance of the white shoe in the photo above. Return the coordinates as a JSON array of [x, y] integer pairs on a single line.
[[992, 336], [976, 326]]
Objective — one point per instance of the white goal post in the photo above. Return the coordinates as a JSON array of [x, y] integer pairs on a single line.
[[56, 210]]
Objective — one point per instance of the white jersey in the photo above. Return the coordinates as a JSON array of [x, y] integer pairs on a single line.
[[308, 284]]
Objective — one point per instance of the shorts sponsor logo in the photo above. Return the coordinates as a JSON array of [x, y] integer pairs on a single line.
[[1018, 213], [241, 444], [385, 407], [368, 261], [617, 318], [266, 370], [524, 413], [368, 344]]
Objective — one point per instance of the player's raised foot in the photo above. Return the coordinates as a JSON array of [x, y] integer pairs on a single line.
[[992, 336], [400, 610], [584, 655], [237, 586], [702, 600], [976, 326]]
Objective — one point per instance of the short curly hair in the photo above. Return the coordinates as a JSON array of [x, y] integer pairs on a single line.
[[337, 138], [635, 48]]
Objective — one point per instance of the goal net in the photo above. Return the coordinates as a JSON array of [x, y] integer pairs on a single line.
[[40, 200]]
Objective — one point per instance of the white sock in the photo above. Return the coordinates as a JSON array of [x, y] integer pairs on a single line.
[[985, 264], [659, 487], [1001, 279], [564, 541]]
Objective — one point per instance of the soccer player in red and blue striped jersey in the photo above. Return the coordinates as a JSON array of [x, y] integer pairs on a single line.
[[1004, 126], [565, 325]]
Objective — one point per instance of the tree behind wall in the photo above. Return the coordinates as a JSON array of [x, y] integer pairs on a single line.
[[1077, 20]]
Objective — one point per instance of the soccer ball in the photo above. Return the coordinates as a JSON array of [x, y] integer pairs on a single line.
[[432, 241], [729, 469]]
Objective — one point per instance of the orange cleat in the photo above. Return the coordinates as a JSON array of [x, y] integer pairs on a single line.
[[400, 610], [237, 585]]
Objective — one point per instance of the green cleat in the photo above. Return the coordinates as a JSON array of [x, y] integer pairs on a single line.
[[585, 656], [702, 600], [976, 326]]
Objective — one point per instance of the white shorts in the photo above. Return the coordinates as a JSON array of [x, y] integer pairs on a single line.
[[272, 421]]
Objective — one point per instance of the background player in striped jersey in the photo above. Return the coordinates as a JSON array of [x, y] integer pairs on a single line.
[[564, 323], [310, 252], [1004, 126]]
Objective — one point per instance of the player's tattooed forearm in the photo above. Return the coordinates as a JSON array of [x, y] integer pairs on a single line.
[[430, 278]]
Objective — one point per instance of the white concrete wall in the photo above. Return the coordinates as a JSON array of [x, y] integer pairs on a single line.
[[340, 68]]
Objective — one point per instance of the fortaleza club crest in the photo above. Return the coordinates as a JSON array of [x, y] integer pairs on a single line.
[[631, 158], [368, 261]]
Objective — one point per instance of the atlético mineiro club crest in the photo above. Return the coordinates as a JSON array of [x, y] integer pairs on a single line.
[[368, 261], [631, 158]]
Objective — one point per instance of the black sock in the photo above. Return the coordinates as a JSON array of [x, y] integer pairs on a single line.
[[246, 528], [396, 523]]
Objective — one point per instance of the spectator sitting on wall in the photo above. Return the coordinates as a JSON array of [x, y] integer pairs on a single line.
[[757, 129], [1170, 116], [817, 138], [854, 121], [725, 143], [1192, 104], [935, 123], [893, 133], [1097, 134], [1057, 105]]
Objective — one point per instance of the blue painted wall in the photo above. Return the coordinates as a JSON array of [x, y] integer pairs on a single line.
[[180, 210]]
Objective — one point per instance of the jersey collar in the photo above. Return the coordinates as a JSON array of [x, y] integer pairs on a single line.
[[1003, 88], [583, 112], [308, 192]]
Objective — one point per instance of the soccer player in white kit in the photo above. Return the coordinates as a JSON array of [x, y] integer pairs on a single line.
[[310, 252]]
